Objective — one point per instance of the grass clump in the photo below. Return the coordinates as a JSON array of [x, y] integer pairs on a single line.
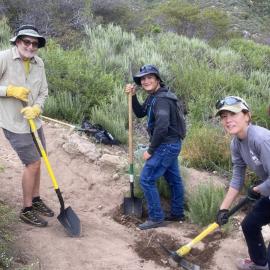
[[203, 203], [207, 148], [67, 107], [7, 218]]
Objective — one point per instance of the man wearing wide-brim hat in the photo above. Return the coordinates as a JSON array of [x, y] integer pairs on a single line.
[[23, 90]]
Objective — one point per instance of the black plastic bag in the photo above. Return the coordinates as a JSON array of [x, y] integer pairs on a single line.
[[98, 132]]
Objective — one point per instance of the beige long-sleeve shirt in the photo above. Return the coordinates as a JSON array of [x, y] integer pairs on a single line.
[[12, 72]]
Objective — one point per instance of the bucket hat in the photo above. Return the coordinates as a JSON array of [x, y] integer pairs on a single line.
[[232, 104], [31, 31], [145, 70]]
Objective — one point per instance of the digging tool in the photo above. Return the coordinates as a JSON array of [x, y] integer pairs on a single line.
[[132, 205], [181, 261], [184, 250], [67, 216]]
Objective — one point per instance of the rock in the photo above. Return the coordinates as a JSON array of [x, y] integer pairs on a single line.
[[78, 145], [113, 161], [116, 176]]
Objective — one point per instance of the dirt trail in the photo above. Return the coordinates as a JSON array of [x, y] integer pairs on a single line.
[[95, 197]]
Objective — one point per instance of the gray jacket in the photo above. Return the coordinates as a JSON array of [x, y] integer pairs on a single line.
[[254, 152]]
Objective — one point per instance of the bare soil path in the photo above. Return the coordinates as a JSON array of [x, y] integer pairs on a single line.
[[108, 240]]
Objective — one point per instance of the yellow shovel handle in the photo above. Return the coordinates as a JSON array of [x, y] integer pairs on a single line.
[[43, 153], [186, 248]]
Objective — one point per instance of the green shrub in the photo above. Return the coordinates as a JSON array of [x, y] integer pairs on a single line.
[[75, 72], [64, 106], [255, 56], [114, 114], [214, 26], [207, 147], [203, 203]]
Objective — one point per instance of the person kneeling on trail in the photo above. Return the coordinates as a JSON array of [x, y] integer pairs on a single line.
[[250, 146], [23, 90], [161, 157]]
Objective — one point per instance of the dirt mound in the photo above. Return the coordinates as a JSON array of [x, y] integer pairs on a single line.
[[109, 241]]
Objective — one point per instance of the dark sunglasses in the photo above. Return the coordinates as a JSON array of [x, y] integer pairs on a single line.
[[27, 43], [230, 101]]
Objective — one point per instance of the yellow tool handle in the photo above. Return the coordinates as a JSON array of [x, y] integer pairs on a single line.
[[186, 248], [43, 153]]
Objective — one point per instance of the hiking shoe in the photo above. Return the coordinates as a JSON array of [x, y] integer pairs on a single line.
[[170, 217], [149, 224], [31, 217], [247, 264], [42, 208]]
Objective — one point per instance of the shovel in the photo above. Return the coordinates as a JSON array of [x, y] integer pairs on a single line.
[[132, 205], [184, 250], [67, 216]]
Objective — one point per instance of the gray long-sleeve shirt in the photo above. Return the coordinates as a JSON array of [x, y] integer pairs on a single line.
[[12, 73], [254, 152]]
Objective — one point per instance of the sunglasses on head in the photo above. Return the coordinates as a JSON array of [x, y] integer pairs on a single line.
[[28, 42], [231, 100]]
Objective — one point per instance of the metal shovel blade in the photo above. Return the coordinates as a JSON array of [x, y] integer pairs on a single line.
[[133, 207], [70, 221]]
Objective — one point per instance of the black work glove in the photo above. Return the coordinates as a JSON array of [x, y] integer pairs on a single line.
[[222, 217], [253, 195]]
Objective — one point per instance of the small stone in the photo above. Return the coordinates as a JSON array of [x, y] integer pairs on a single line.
[[164, 261], [116, 176]]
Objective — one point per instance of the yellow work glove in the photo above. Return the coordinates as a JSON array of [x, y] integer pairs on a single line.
[[18, 92], [31, 112]]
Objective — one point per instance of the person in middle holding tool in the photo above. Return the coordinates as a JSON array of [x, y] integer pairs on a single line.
[[161, 157], [250, 146]]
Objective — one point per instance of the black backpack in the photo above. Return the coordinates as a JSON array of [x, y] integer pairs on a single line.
[[181, 112], [181, 119]]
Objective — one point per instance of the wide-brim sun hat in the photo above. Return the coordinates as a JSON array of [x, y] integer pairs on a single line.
[[232, 104], [31, 31], [145, 70]]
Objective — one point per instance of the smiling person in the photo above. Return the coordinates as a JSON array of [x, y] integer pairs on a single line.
[[250, 146], [23, 90], [161, 157]]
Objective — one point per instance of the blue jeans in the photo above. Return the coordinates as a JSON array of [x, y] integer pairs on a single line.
[[163, 162], [252, 226]]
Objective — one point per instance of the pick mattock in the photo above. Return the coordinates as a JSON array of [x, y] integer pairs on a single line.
[[184, 250], [67, 216]]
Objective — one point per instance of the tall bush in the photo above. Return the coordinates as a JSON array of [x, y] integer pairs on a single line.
[[73, 73], [114, 114], [255, 56], [206, 147]]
